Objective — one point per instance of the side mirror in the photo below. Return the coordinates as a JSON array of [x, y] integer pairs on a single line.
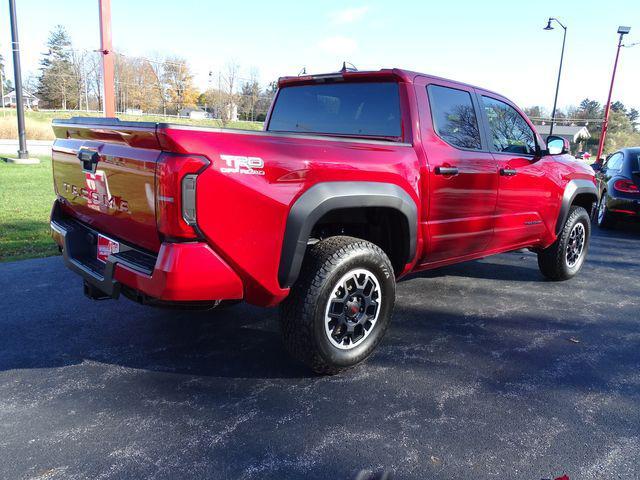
[[596, 166], [557, 145]]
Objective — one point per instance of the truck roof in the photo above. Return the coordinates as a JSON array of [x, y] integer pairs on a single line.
[[397, 74]]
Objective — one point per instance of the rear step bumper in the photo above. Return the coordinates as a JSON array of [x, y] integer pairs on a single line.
[[181, 272]]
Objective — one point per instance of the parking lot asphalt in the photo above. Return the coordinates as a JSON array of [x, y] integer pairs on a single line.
[[488, 371]]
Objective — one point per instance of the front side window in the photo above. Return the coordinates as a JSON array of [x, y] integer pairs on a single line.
[[454, 118], [510, 133], [363, 109]]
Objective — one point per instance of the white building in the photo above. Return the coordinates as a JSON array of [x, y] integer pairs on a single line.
[[29, 100], [193, 113]]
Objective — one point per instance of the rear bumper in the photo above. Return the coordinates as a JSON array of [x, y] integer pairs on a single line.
[[181, 272], [624, 207]]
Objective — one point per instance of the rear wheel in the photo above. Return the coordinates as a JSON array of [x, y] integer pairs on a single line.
[[341, 305], [604, 217], [564, 258]]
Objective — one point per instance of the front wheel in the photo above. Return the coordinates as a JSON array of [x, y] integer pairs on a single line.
[[564, 258], [340, 306]]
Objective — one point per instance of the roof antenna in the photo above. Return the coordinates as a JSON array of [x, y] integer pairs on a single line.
[[303, 71], [351, 68]]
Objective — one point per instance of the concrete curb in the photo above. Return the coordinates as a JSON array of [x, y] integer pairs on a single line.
[[34, 147]]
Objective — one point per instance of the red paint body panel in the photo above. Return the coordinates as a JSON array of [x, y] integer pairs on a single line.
[[241, 218], [185, 272]]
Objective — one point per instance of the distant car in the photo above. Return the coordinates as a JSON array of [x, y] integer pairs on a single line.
[[618, 180], [583, 155]]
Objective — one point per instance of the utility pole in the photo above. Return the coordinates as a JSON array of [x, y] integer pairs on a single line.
[[17, 75], [622, 31], [106, 49]]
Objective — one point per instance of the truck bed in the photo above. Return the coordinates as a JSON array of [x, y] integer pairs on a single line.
[[242, 206]]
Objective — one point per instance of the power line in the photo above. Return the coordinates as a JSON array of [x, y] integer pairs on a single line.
[[262, 94], [567, 119]]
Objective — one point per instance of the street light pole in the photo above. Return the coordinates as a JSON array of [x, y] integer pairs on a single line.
[[17, 75], [622, 31], [555, 100]]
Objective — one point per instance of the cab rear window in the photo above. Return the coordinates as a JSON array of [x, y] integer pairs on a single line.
[[350, 109]]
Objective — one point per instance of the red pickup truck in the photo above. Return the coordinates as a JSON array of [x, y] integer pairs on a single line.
[[358, 179]]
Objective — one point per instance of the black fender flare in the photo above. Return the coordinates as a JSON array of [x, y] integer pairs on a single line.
[[574, 188], [327, 196]]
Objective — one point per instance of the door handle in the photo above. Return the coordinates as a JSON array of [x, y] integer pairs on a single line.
[[446, 171], [508, 172]]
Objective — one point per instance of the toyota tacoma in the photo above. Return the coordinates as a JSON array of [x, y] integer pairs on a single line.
[[358, 179]]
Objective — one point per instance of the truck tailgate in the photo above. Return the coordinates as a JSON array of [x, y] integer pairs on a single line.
[[104, 174]]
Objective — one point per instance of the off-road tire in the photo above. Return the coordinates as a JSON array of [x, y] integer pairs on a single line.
[[553, 261], [604, 218], [303, 313]]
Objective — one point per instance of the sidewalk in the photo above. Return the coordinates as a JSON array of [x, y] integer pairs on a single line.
[[34, 147]]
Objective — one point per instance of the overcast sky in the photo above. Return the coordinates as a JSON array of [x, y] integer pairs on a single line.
[[499, 45]]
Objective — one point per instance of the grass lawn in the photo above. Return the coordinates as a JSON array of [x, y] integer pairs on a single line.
[[26, 196], [26, 191]]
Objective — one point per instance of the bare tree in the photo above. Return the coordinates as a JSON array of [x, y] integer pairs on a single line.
[[228, 97], [249, 96], [78, 77], [157, 70], [461, 128], [93, 72]]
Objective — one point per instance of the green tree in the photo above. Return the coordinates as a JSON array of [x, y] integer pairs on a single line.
[[589, 109], [633, 115], [266, 98], [7, 85], [620, 132], [618, 106], [58, 82], [202, 100]]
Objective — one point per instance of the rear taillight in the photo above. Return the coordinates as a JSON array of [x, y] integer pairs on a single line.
[[176, 181], [626, 186]]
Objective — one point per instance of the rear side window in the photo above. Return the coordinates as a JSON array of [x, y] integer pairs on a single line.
[[352, 109], [510, 132], [454, 117], [615, 162]]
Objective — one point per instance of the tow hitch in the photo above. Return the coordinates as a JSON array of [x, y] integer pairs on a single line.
[[94, 293]]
